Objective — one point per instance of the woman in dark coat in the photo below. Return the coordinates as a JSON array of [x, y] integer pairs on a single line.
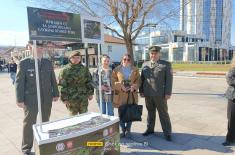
[[230, 94]]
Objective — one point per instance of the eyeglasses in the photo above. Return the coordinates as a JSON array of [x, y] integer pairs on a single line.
[[75, 57], [126, 59]]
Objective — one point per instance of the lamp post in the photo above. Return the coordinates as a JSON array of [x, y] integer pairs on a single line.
[[150, 25]]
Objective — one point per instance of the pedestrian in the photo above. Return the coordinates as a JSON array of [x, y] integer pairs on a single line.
[[125, 81], [106, 72], [12, 68], [230, 95], [26, 93], [76, 86], [156, 87]]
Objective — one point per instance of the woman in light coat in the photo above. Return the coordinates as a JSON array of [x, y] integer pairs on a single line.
[[125, 80]]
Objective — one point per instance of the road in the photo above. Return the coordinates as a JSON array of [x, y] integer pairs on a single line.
[[197, 110]]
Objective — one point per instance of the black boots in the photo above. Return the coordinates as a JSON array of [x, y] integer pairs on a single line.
[[146, 133]]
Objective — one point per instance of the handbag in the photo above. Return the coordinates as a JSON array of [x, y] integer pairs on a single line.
[[130, 112]]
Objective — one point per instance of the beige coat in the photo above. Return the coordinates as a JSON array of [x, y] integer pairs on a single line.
[[119, 96]]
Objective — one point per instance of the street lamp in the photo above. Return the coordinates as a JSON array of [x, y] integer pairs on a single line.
[[149, 25]]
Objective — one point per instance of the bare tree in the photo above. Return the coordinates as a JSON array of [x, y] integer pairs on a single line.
[[125, 18]]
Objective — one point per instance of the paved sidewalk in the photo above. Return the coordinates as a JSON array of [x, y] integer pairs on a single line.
[[214, 74], [197, 110]]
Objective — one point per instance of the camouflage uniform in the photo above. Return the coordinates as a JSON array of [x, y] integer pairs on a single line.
[[75, 84]]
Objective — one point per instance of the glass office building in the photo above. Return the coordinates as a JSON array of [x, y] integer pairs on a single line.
[[211, 19]]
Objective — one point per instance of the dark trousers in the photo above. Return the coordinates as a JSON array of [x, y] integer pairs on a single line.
[[30, 118], [231, 121], [125, 125], [159, 103]]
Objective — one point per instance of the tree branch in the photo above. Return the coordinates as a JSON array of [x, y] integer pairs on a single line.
[[113, 30], [138, 29]]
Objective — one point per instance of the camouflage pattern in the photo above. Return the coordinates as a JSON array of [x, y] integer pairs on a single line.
[[75, 84]]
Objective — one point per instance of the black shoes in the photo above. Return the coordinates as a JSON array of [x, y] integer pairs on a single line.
[[146, 133], [126, 133], [226, 143], [168, 138]]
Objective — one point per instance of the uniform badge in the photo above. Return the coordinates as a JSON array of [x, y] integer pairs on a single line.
[[31, 74]]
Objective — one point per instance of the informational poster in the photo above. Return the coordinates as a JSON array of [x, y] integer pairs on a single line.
[[53, 25], [92, 30]]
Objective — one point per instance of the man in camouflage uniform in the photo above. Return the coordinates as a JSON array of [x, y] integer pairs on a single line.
[[26, 93], [75, 84], [156, 87]]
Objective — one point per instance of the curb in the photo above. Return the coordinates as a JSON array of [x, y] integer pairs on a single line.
[[206, 73]]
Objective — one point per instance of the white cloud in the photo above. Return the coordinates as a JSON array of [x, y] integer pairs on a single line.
[[13, 38]]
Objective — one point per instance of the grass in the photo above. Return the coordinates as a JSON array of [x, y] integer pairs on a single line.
[[201, 67]]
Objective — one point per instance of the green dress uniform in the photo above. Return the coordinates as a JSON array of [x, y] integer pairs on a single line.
[[156, 83], [75, 84], [26, 92]]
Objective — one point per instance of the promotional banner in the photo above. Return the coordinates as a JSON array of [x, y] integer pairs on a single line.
[[53, 25], [92, 30], [85, 134]]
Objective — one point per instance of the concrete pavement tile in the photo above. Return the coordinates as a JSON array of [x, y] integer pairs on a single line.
[[129, 146], [201, 152], [3, 141], [182, 138], [217, 139], [9, 149], [138, 137], [163, 145], [206, 145]]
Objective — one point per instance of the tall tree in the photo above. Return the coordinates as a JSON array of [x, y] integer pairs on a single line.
[[125, 18]]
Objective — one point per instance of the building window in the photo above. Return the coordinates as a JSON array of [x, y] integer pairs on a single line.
[[159, 40], [109, 48], [206, 18], [219, 20]]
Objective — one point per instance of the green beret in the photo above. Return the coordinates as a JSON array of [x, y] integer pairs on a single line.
[[74, 53], [155, 48]]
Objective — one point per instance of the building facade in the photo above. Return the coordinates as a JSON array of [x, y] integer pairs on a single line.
[[178, 46], [209, 19], [204, 35]]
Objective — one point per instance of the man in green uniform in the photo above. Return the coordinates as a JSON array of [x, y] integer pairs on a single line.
[[26, 93], [75, 84], [156, 87]]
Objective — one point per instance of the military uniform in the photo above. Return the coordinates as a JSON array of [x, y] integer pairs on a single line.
[[156, 83], [75, 84], [26, 92]]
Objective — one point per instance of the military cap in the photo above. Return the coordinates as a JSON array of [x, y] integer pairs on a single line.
[[74, 53], [155, 48]]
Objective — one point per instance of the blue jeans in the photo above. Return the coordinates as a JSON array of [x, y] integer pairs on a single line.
[[107, 108], [13, 77], [125, 126]]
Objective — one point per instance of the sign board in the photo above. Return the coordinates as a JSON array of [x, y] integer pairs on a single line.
[[89, 133], [53, 25], [92, 30]]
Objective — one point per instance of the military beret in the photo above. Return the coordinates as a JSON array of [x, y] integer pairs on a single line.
[[155, 48], [74, 53]]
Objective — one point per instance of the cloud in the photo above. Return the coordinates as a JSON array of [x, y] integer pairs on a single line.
[[13, 38]]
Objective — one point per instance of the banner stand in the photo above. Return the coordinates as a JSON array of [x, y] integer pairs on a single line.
[[100, 88], [37, 83]]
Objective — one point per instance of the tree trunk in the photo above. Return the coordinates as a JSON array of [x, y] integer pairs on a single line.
[[129, 48]]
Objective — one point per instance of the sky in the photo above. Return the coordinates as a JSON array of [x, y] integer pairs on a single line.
[[14, 23]]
